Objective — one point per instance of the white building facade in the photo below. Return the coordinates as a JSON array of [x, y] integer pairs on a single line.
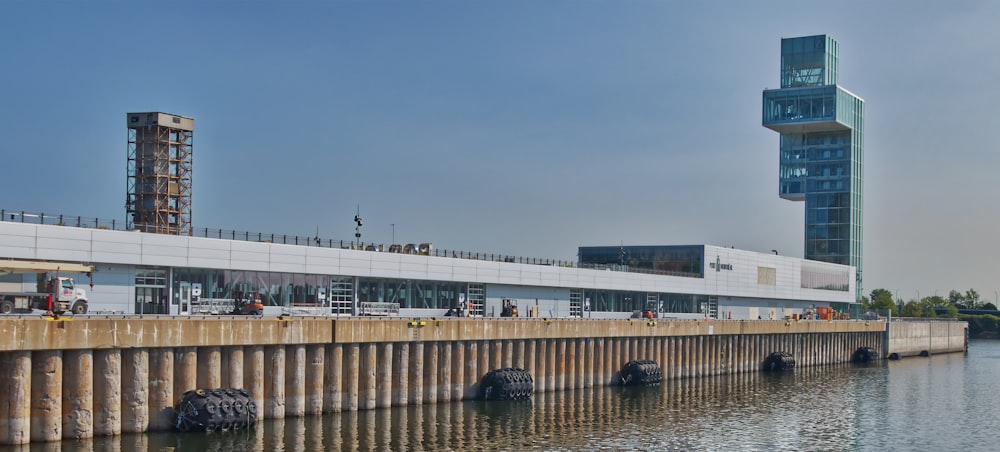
[[146, 273]]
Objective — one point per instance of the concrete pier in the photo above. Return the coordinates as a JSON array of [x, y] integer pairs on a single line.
[[98, 376]]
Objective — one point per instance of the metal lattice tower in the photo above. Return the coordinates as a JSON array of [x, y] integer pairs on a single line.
[[159, 173]]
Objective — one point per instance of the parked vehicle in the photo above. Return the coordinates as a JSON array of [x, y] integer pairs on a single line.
[[57, 294]]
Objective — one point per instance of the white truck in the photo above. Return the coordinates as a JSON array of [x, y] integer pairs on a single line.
[[57, 294]]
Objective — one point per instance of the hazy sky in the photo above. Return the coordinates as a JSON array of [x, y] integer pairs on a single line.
[[519, 127]]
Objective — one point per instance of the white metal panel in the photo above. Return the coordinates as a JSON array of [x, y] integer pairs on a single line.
[[548, 275], [322, 263], [18, 229], [63, 232], [464, 270], [55, 254], [287, 258], [153, 260], [116, 248], [17, 241], [68, 244], [530, 274], [18, 252], [509, 275], [439, 271], [385, 266], [414, 267], [249, 247], [154, 251]]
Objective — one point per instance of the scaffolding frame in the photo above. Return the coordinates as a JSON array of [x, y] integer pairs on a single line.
[[158, 196]]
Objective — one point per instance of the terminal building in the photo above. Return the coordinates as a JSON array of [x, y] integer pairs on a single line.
[[148, 273]]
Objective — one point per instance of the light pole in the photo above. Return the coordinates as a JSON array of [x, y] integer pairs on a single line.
[[357, 229], [393, 233]]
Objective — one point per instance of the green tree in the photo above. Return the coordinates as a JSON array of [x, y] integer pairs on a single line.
[[912, 309], [882, 300], [972, 299], [989, 306], [956, 298], [927, 307]]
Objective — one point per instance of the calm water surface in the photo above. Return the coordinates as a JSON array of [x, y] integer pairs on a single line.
[[941, 403]]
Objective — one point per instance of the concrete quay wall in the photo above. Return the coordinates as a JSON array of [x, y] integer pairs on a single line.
[[95, 376], [922, 337]]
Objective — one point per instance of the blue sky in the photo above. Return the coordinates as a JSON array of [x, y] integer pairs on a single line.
[[518, 127]]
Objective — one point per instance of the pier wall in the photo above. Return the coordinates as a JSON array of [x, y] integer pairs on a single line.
[[924, 337], [96, 376]]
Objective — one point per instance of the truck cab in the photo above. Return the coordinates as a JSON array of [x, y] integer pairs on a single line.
[[65, 295]]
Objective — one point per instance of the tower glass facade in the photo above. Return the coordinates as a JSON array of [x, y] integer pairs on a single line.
[[820, 149]]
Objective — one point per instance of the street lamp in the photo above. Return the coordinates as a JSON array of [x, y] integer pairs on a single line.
[[393, 233]]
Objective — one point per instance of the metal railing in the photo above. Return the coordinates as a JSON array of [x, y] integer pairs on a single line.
[[247, 236], [378, 309]]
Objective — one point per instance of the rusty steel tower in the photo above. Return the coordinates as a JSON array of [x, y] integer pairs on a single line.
[[159, 173]]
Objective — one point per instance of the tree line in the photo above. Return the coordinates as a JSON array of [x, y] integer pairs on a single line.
[[980, 324], [932, 306]]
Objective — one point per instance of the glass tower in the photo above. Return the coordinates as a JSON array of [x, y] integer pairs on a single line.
[[821, 148]]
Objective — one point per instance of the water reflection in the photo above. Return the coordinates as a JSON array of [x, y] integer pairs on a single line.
[[941, 403]]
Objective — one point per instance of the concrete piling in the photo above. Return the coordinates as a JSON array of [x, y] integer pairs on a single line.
[[107, 392], [46, 396], [78, 394], [135, 390], [161, 389]]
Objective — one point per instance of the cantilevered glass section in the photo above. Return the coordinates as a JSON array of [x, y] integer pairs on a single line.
[[676, 260], [820, 149], [809, 61]]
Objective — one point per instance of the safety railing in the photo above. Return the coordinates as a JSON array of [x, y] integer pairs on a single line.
[[378, 309], [424, 249]]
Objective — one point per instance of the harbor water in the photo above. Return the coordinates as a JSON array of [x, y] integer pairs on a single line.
[[944, 402]]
